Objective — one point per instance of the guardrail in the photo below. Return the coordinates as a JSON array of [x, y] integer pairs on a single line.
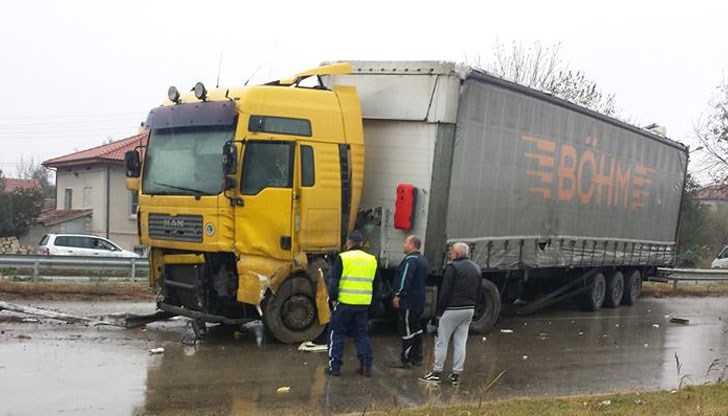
[[73, 262], [697, 275]]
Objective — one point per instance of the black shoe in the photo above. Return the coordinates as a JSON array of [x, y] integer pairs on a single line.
[[433, 376], [399, 364], [454, 378], [332, 372], [366, 372]]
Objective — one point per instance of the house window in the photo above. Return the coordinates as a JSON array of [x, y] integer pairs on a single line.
[[88, 195], [67, 198], [133, 202]]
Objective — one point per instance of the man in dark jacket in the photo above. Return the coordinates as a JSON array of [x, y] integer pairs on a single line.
[[455, 308], [409, 300]]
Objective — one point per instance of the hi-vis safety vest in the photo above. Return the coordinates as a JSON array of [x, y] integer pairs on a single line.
[[357, 277]]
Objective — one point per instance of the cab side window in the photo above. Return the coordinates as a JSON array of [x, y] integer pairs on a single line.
[[267, 165], [308, 170]]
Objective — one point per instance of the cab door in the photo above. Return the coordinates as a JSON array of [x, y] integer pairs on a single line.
[[263, 225], [318, 222]]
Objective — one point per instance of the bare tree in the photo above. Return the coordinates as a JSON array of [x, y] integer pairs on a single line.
[[712, 132], [30, 169], [541, 67]]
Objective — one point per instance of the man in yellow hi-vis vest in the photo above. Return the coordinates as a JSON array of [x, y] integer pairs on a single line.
[[350, 291]]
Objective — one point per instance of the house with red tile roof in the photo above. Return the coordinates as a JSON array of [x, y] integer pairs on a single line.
[[11, 184], [715, 197], [91, 192]]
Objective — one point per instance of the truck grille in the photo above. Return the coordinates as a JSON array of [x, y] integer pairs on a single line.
[[177, 228]]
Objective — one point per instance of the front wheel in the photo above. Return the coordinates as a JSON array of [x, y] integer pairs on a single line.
[[290, 314], [488, 308]]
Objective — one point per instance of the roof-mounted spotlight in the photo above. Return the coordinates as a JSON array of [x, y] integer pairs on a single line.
[[173, 94], [200, 91]]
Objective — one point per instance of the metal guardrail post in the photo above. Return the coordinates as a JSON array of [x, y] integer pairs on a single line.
[[133, 270], [674, 284], [36, 265]]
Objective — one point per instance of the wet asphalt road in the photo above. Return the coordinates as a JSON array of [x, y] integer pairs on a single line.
[[56, 368]]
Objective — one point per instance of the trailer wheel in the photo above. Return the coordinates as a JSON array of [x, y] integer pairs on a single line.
[[290, 314], [632, 287], [488, 308], [615, 290], [593, 298]]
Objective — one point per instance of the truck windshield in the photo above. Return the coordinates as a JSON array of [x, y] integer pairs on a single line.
[[185, 161]]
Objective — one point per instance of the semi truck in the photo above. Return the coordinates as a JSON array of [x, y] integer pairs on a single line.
[[246, 194]]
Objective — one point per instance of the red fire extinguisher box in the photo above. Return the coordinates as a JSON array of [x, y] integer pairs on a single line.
[[404, 206]]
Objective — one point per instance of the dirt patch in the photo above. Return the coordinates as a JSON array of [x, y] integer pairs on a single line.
[[76, 291]]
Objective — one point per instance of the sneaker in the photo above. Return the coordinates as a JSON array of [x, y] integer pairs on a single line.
[[454, 378], [399, 364], [332, 372], [433, 376]]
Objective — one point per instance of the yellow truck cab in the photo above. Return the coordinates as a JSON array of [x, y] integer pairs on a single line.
[[243, 193]]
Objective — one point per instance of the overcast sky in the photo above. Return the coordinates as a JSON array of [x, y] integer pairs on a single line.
[[77, 73]]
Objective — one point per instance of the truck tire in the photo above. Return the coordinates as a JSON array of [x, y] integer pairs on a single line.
[[290, 314], [593, 297], [615, 290], [488, 308], [632, 286]]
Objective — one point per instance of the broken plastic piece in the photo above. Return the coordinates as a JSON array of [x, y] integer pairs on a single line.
[[309, 346], [283, 389], [680, 321], [159, 350], [506, 331]]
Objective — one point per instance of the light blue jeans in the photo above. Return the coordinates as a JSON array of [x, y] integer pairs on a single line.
[[455, 324]]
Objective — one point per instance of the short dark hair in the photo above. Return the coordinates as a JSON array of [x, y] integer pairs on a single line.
[[416, 241]]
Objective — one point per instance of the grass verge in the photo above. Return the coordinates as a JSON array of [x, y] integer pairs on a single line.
[[684, 289], [705, 400]]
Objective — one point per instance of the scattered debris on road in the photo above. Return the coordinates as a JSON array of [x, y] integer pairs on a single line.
[[506, 331], [283, 389], [680, 321], [159, 350], [309, 346], [124, 320]]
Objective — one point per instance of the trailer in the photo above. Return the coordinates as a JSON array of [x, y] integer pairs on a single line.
[[554, 200]]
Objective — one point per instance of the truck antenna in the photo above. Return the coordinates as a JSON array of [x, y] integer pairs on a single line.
[[219, 67], [251, 76]]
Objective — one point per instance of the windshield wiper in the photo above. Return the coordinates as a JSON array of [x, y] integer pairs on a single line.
[[196, 192]]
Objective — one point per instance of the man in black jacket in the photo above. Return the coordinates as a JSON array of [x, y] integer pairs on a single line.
[[409, 300], [455, 308]]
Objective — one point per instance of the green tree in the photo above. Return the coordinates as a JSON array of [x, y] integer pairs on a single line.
[[693, 242], [541, 67], [2, 182], [18, 211]]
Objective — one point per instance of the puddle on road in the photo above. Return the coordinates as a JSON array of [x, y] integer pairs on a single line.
[[81, 370]]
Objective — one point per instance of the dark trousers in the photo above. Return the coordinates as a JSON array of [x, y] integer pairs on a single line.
[[349, 320], [409, 323]]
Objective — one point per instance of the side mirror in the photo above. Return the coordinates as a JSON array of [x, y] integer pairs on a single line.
[[229, 159], [132, 162]]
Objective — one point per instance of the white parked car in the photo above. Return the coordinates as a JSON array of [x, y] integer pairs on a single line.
[[721, 260], [80, 245]]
